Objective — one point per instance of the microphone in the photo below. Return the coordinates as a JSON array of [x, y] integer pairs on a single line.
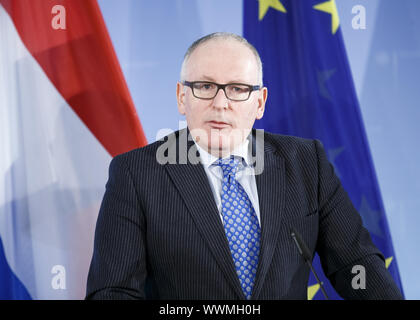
[[306, 254]]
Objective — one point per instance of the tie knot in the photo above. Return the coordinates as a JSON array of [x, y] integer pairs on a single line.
[[229, 165]]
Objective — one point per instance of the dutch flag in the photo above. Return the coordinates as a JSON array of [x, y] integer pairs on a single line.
[[65, 110]]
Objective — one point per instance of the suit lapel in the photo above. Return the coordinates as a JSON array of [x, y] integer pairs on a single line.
[[193, 185], [270, 185]]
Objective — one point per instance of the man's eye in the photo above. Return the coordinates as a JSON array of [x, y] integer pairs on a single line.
[[204, 86], [239, 89]]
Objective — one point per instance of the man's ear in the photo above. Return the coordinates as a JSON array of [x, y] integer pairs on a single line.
[[261, 102], [180, 97]]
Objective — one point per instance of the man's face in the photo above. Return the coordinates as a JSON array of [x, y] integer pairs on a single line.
[[220, 124]]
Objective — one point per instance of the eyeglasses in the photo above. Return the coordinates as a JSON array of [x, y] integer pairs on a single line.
[[233, 91]]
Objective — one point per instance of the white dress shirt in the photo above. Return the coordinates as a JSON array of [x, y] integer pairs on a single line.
[[245, 175]]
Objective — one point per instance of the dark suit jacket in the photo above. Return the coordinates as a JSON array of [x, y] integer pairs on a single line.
[[159, 227]]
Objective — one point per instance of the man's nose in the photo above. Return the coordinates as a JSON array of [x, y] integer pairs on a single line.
[[220, 100]]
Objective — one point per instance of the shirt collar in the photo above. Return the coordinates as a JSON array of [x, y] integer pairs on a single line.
[[240, 151]]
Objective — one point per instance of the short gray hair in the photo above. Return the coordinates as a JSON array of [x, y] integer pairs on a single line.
[[223, 36]]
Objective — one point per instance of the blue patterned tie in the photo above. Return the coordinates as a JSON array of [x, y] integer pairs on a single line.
[[241, 225]]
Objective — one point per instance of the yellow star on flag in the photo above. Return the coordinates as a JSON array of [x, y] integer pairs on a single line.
[[388, 262], [266, 4], [312, 290], [331, 8]]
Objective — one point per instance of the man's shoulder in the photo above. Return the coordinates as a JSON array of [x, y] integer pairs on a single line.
[[284, 139], [147, 154], [287, 145], [146, 151]]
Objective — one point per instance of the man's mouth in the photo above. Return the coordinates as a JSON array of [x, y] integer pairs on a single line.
[[218, 124]]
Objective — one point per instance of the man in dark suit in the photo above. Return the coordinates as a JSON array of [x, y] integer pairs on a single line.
[[206, 213]]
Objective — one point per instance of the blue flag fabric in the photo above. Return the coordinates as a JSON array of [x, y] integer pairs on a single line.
[[11, 288], [311, 95]]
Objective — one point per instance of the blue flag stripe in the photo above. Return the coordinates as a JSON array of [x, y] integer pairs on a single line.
[[11, 288]]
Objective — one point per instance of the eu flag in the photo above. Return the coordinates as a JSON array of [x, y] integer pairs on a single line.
[[311, 95]]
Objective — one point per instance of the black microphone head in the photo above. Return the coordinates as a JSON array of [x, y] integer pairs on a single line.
[[303, 248]]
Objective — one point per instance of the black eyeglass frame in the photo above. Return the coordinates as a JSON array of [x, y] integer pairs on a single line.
[[252, 88]]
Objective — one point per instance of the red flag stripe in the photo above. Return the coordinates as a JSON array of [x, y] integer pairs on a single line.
[[81, 63]]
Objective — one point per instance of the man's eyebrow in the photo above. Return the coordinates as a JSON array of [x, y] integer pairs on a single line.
[[208, 78]]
